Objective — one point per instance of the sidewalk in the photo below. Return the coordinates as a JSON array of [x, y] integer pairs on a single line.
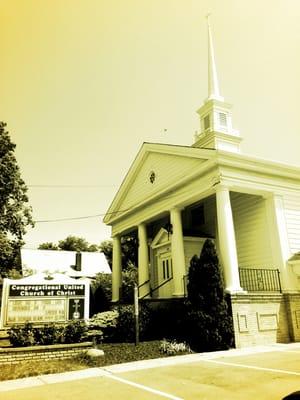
[[140, 365]]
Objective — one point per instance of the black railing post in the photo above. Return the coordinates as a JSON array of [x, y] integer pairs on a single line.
[[279, 282]]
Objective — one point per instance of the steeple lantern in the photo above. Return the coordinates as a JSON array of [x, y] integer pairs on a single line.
[[215, 115]]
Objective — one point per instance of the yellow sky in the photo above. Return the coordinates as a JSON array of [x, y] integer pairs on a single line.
[[85, 82]]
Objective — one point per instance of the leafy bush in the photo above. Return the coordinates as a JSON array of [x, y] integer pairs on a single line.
[[106, 319], [171, 348], [48, 334], [167, 321], [27, 335], [74, 332], [21, 336], [125, 330], [101, 326]]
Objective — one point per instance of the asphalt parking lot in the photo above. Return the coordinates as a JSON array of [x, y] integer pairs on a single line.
[[269, 372]]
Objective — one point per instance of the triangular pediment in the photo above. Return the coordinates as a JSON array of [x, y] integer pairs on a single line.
[[162, 237], [156, 168]]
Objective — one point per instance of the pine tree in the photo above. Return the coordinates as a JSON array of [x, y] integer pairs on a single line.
[[209, 319], [15, 214]]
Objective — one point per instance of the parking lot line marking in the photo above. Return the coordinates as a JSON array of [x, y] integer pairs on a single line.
[[146, 388], [281, 371], [290, 351]]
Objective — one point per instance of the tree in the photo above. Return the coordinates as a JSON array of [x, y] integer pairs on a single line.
[[70, 243], [48, 246], [129, 247], [15, 213], [73, 243], [210, 323], [106, 247]]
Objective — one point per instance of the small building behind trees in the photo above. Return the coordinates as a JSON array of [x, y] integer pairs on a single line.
[[71, 263]]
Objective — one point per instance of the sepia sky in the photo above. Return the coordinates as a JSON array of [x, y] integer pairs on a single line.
[[85, 82]]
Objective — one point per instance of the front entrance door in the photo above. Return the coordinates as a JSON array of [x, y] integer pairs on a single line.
[[165, 274]]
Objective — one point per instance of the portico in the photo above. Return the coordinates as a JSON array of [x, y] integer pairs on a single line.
[[178, 224]]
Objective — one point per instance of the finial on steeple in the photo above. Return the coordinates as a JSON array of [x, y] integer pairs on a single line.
[[213, 84]]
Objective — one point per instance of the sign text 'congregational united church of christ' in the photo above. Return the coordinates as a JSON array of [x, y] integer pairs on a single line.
[[43, 302]]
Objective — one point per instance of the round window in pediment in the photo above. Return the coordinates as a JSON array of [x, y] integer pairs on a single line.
[[152, 177]]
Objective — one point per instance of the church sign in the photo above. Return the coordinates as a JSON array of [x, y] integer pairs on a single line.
[[42, 299]]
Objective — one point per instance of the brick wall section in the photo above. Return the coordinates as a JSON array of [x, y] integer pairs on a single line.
[[260, 319], [293, 313], [42, 353]]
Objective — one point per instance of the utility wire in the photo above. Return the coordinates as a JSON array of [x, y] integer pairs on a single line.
[[79, 218], [97, 215], [70, 186]]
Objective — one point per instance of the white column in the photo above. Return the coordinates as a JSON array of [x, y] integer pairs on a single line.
[[279, 240], [177, 249], [116, 268], [143, 261], [227, 241]]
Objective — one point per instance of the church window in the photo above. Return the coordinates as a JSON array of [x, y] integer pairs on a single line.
[[167, 268], [223, 119]]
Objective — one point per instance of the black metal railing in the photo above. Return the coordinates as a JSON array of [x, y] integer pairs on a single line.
[[144, 283], [260, 280], [140, 286], [152, 290]]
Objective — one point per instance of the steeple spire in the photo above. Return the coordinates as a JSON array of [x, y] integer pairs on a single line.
[[216, 131], [213, 83]]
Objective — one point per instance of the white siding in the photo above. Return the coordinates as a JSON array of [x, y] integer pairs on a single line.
[[292, 215], [251, 230], [168, 170]]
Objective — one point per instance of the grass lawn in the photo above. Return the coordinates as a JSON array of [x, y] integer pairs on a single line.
[[114, 353]]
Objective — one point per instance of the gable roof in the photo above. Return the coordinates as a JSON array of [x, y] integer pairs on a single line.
[[194, 161], [189, 157]]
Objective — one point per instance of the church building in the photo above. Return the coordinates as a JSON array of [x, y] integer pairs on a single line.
[[174, 197]]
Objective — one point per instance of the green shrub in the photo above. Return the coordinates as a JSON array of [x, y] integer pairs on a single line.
[[48, 334], [125, 329], [167, 321], [104, 319], [27, 335], [21, 336], [102, 326], [75, 332], [209, 323]]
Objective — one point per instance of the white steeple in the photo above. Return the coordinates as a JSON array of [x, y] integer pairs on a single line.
[[213, 83], [215, 115]]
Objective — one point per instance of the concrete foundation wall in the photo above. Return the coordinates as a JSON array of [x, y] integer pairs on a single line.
[[260, 319]]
